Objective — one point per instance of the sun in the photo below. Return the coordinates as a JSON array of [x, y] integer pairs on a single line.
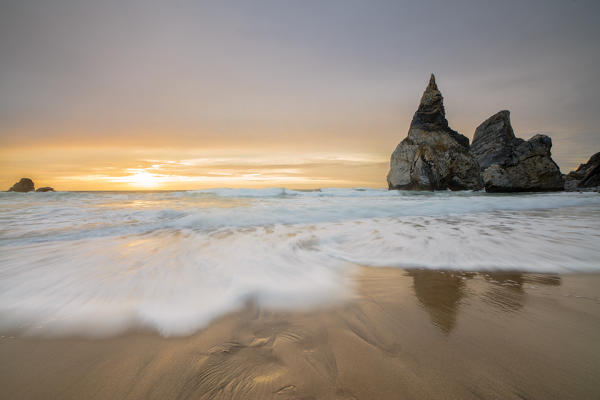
[[140, 178], [143, 179]]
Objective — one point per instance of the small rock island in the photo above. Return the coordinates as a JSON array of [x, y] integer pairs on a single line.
[[26, 185]]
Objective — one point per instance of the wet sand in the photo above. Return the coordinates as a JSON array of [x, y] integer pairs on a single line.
[[413, 334]]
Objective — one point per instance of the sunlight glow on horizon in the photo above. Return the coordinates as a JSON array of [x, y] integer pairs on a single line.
[[140, 178], [189, 169]]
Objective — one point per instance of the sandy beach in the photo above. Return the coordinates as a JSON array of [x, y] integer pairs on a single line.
[[403, 334]]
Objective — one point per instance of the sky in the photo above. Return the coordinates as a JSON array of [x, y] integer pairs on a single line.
[[121, 95]]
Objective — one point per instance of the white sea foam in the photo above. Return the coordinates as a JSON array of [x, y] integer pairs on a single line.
[[99, 263]]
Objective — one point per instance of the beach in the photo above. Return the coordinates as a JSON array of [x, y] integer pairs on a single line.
[[414, 334], [286, 294]]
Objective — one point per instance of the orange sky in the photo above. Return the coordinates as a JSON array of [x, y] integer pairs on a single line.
[[162, 160], [109, 168]]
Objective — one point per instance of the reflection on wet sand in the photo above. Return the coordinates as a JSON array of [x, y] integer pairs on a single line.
[[441, 292], [415, 334]]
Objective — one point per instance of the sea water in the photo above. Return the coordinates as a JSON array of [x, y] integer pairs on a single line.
[[102, 262]]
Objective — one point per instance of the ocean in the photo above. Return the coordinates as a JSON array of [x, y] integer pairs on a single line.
[[100, 263]]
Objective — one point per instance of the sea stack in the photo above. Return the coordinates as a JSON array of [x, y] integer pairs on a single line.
[[511, 164], [24, 185], [433, 156]]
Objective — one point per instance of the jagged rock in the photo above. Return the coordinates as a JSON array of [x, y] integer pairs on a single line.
[[592, 179], [585, 176], [511, 164], [45, 189], [433, 156], [493, 140], [24, 185], [570, 184]]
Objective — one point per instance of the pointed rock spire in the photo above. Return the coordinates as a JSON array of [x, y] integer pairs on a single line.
[[433, 156], [431, 108], [431, 114], [432, 85]]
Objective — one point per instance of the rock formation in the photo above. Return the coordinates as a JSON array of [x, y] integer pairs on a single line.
[[585, 176], [511, 164], [433, 156], [24, 185]]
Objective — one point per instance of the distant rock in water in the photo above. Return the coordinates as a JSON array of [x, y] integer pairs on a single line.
[[511, 164], [586, 176], [24, 185], [433, 156]]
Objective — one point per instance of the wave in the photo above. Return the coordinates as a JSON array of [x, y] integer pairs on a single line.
[[100, 263]]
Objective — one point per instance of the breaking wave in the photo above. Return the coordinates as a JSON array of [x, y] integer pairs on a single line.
[[102, 262]]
